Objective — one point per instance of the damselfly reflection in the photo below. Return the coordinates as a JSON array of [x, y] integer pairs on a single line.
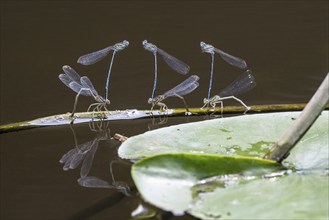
[[122, 186], [243, 83], [184, 88], [82, 86], [84, 154], [96, 56], [157, 122], [95, 182], [173, 62], [234, 61]]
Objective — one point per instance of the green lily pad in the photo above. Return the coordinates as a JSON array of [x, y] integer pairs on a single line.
[[230, 187], [247, 135], [165, 180], [287, 197]]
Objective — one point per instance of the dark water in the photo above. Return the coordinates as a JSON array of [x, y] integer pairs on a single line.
[[285, 43]]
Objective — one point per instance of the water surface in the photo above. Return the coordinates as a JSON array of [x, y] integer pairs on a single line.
[[285, 43]]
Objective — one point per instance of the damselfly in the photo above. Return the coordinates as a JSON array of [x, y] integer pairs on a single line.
[[243, 83], [179, 91], [234, 61], [173, 62], [82, 86], [96, 56]]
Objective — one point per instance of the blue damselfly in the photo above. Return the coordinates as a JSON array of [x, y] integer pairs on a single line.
[[96, 56], [173, 62]]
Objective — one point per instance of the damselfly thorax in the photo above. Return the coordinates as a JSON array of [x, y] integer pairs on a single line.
[[149, 46], [158, 101], [207, 48]]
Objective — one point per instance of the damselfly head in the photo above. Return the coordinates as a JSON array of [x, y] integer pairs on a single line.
[[125, 42], [207, 48], [150, 101], [144, 42]]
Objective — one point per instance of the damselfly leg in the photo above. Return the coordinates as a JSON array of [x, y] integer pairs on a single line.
[[184, 88], [243, 83]]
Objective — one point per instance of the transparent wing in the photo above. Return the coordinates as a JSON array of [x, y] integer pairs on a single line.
[[234, 61], [174, 63], [94, 57], [243, 83], [184, 87], [71, 73], [86, 83], [76, 87], [65, 79], [93, 182], [89, 157], [188, 89]]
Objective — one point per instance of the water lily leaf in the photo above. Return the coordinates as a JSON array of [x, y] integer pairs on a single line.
[[165, 180], [287, 197], [247, 135], [233, 187]]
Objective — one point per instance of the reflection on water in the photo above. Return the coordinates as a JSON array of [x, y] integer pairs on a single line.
[[157, 122], [83, 154]]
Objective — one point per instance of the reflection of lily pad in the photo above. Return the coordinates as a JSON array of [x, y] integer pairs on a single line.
[[247, 135], [166, 180]]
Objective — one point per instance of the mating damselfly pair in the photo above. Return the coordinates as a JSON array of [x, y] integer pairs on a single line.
[[83, 85]]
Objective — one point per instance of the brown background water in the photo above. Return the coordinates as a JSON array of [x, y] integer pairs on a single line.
[[285, 43]]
